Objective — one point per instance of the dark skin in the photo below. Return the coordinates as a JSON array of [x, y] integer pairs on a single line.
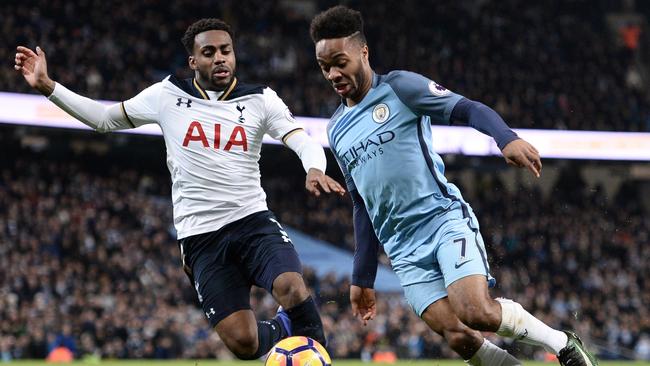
[[214, 64], [213, 61], [344, 62]]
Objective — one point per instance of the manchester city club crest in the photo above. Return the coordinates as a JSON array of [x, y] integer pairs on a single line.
[[380, 113]]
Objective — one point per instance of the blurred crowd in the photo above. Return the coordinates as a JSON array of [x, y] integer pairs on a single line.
[[89, 261], [551, 64]]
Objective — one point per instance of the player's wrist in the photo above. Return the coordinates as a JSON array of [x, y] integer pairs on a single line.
[[362, 282], [45, 86]]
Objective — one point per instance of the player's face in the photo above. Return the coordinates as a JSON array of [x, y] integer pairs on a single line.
[[344, 63], [213, 59]]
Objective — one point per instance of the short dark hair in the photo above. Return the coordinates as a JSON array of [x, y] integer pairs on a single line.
[[337, 22], [200, 26]]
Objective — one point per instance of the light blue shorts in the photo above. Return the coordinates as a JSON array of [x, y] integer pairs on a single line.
[[455, 251]]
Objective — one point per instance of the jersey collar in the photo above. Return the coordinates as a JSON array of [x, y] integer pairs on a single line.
[[224, 95], [375, 80], [200, 90]]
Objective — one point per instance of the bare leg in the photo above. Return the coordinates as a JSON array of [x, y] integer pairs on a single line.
[[473, 305]]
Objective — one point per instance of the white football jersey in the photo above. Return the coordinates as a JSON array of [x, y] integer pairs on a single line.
[[213, 147]]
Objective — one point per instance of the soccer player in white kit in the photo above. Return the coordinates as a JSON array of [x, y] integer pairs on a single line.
[[213, 125]]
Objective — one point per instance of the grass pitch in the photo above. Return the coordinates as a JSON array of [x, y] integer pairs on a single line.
[[259, 363]]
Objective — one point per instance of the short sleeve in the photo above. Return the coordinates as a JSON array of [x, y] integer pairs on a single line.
[[143, 108], [423, 95], [279, 119]]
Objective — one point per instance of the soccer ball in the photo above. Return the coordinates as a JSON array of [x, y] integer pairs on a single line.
[[298, 351]]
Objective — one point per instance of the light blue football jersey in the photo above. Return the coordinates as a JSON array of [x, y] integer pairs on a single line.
[[385, 149]]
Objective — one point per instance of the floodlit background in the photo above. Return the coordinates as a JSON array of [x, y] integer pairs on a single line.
[[88, 254]]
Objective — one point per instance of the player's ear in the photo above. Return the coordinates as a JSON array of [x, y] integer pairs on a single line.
[[364, 52], [191, 61]]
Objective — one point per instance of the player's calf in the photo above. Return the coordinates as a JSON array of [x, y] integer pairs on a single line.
[[290, 291], [468, 343], [239, 333], [442, 320], [247, 338], [243, 348]]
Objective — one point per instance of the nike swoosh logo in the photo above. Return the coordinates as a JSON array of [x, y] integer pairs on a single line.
[[458, 265]]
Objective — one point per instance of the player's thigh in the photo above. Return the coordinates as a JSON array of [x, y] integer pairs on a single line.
[[461, 253], [440, 317], [471, 301], [420, 277], [267, 252], [222, 288], [421, 295]]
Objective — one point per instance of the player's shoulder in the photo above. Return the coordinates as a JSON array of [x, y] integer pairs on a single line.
[[188, 86], [242, 89], [411, 86], [402, 79]]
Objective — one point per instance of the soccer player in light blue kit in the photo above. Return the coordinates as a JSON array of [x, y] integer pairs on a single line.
[[381, 136]]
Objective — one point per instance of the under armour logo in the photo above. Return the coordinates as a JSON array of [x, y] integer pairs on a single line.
[[241, 113], [210, 313], [188, 104]]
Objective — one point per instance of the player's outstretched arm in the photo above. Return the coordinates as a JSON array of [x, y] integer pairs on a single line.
[[516, 151], [33, 66], [313, 160]]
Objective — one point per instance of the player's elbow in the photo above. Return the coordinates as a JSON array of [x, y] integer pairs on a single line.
[[101, 129]]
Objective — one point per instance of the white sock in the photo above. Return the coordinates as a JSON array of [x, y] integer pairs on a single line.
[[519, 324], [491, 355]]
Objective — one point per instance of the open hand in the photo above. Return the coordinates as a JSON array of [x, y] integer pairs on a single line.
[[33, 66], [363, 303], [522, 154], [317, 180]]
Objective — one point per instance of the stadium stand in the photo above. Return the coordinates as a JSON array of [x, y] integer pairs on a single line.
[[88, 258], [557, 64]]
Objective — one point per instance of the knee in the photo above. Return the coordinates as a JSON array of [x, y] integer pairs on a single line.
[[482, 315], [242, 344], [289, 289]]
